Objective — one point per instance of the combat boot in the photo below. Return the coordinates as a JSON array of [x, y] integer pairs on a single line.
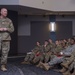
[[34, 60], [3, 68], [62, 70], [25, 62], [73, 73], [65, 64], [39, 65], [46, 66], [67, 73]]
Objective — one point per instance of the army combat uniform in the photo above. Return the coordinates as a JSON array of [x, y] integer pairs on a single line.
[[69, 64], [69, 55], [54, 59], [5, 38], [47, 53], [32, 56]]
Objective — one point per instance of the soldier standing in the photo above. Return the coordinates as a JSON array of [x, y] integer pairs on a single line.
[[6, 27]]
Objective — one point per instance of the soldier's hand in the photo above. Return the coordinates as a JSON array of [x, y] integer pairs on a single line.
[[43, 53], [61, 53], [5, 29], [1, 29]]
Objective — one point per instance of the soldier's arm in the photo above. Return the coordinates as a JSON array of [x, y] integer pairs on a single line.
[[11, 27], [47, 48]]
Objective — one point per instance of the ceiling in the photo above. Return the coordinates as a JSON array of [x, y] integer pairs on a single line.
[[22, 10]]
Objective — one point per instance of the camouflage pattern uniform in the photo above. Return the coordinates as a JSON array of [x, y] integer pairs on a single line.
[[68, 58], [39, 57], [33, 54], [56, 57], [71, 61], [68, 64], [5, 38], [47, 53], [68, 52]]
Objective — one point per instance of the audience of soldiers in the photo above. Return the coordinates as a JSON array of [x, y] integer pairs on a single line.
[[51, 53]]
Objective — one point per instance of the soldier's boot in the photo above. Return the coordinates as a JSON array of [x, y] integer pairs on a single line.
[[25, 62], [34, 60], [67, 73], [39, 65], [46, 66], [62, 70], [73, 73], [3, 68], [66, 65]]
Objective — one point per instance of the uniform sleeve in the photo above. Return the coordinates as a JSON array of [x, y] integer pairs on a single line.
[[47, 49], [11, 27]]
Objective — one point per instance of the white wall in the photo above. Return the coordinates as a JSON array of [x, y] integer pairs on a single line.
[[9, 2], [54, 5]]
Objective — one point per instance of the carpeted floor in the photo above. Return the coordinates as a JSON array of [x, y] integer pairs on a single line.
[[15, 68]]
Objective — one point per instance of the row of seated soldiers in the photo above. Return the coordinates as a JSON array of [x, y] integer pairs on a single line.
[[48, 55]]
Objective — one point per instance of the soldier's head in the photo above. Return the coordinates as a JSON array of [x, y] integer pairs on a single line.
[[46, 42], [69, 40], [72, 41], [50, 40], [38, 43], [3, 12], [57, 42]]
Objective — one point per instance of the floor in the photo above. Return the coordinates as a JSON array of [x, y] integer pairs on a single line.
[[15, 68]]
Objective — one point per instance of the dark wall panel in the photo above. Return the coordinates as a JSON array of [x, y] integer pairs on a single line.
[[64, 29], [40, 30], [13, 15]]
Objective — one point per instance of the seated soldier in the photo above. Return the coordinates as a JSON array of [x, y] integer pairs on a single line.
[[68, 64], [55, 58], [59, 57], [31, 55], [45, 53], [69, 70], [68, 60], [74, 68]]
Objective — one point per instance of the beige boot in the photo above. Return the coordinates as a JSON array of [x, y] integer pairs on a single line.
[[62, 70], [39, 64], [25, 62], [45, 66], [3, 68], [66, 65], [67, 73]]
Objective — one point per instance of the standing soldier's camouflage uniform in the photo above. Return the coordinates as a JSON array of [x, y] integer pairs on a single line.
[[5, 39]]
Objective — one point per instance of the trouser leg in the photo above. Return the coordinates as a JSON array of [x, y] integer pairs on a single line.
[[5, 51]]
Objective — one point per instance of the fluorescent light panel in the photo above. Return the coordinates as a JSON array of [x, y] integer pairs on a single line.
[[52, 26]]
